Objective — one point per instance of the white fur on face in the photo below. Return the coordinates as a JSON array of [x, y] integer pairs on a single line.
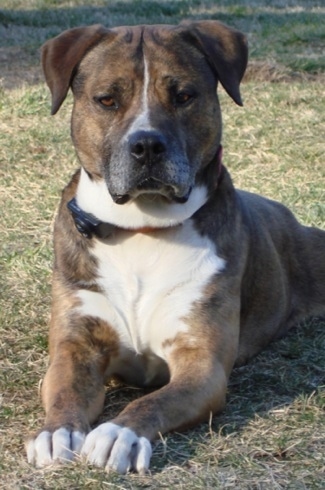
[[142, 121]]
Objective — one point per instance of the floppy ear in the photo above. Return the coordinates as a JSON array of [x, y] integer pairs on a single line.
[[225, 50], [61, 55]]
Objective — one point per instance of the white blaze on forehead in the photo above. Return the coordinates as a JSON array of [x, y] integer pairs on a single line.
[[142, 120]]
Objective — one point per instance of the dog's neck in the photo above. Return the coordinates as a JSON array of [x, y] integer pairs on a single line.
[[88, 225], [95, 213]]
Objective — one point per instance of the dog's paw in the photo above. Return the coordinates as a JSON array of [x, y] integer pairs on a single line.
[[57, 447], [117, 448]]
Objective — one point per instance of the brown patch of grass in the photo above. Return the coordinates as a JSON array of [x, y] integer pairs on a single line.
[[266, 71]]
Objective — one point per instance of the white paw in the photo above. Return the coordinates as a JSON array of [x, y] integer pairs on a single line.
[[117, 448], [59, 446]]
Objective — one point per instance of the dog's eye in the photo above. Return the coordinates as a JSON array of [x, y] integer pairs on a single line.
[[107, 101], [183, 98]]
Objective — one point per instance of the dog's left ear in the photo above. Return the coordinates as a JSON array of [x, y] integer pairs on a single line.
[[225, 49]]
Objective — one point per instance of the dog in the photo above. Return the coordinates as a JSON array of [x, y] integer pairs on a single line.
[[165, 276]]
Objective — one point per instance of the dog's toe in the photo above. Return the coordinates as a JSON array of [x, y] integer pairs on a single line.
[[48, 448], [117, 449]]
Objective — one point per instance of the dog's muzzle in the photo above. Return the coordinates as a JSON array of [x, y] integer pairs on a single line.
[[153, 168]]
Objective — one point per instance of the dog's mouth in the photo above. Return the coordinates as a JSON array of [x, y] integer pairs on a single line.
[[150, 190]]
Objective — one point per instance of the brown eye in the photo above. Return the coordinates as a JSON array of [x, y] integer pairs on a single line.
[[182, 98], [107, 101]]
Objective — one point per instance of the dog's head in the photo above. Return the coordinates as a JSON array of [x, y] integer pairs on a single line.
[[146, 116]]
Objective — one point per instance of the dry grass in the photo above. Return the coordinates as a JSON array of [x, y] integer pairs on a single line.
[[271, 435]]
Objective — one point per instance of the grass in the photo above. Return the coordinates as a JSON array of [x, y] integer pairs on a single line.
[[271, 435]]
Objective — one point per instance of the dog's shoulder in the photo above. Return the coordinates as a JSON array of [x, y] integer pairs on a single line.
[[269, 219]]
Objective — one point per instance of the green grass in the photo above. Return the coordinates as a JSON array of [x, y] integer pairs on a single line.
[[271, 435]]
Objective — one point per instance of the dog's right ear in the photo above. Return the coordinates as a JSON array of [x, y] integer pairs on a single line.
[[61, 55]]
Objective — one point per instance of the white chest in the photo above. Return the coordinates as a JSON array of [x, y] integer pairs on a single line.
[[149, 283]]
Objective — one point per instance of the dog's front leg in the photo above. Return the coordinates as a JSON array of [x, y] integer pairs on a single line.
[[73, 396], [196, 389]]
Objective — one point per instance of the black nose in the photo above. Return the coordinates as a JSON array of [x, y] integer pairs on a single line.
[[147, 146]]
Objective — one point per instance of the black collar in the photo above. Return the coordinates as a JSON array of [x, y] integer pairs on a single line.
[[87, 224]]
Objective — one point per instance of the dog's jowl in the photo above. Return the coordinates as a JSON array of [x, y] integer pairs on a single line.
[[165, 276]]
